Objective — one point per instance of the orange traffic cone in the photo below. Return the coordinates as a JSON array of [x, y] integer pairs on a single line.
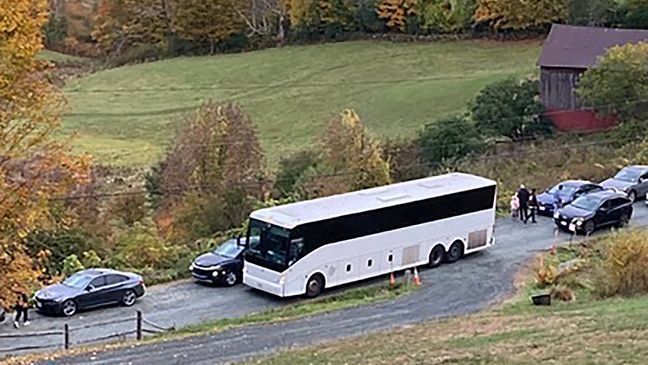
[[392, 280], [417, 279]]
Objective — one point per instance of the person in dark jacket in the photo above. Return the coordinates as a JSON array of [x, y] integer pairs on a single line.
[[523, 195], [533, 205], [22, 310]]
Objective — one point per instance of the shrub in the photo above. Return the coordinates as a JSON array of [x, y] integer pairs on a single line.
[[546, 273], [563, 293], [405, 161], [512, 109], [292, 168], [55, 31], [140, 247], [448, 138], [91, 259], [625, 265], [61, 245], [72, 264], [367, 18]]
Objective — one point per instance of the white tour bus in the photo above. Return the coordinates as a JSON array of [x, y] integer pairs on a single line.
[[321, 243]]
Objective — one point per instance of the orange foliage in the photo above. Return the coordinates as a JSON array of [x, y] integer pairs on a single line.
[[32, 167]]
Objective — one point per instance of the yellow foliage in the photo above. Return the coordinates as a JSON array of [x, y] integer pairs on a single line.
[[519, 14], [352, 159], [32, 167], [395, 12], [625, 266]]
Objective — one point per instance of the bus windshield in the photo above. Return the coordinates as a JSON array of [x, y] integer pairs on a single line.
[[272, 247]]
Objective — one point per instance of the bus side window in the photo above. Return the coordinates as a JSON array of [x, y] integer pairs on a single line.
[[295, 251]]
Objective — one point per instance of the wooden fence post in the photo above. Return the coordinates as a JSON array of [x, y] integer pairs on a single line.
[[139, 325], [66, 335]]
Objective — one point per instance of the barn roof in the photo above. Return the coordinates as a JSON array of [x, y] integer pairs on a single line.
[[579, 47]]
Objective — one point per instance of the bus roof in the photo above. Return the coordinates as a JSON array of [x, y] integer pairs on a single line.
[[291, 215]]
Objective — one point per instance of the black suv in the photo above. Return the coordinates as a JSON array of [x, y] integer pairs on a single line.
[[590, 212]]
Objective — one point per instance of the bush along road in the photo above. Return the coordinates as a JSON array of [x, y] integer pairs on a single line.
[[465, 287]]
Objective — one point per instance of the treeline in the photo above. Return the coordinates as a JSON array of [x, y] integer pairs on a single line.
[[146, 29]]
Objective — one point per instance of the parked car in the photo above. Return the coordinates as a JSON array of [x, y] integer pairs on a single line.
[[572, 189], [632, 180], [593, 211], [90, 289], [224, 265]]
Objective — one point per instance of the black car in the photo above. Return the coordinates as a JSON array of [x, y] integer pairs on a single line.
[[572, 189], [224, 265], [593, 211], [90, 289]]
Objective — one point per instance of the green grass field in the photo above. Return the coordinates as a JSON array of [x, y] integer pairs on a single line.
[[127, 115]]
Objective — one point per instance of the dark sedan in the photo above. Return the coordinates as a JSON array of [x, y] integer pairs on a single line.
[[224, 265], [572, 189], [90, 289], [592, 211]]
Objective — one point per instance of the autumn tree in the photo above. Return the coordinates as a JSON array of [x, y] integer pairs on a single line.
[[33, 168], [265, 17], [519, 14], [209, 21], [120, 24], [351, 159], [446, 15], [396, 12], [619, 83], [214, 167]]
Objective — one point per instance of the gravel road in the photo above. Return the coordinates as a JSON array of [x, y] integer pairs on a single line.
[[465, 287]]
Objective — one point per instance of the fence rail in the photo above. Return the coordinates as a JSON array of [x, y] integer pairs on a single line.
[[138, 331]]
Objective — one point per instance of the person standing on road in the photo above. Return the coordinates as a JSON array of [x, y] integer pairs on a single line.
[[523, 195], [22, 310], [515, 206], [556, 198], [533, 205]]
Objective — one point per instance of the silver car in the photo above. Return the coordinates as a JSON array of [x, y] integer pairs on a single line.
[[633, 180]]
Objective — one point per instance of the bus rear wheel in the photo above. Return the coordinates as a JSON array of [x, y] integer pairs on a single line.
[[314, 286], [455, 252], [437, 256]]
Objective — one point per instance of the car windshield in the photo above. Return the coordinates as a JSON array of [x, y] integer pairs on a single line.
[[78, 280], [229, 249], [271, 248], [567, 190], [586, 202], [628, 175]]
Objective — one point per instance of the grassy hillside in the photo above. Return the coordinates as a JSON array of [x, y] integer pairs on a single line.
[[127, 115]]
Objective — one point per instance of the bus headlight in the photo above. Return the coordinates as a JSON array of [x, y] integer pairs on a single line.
[[215, 273], [578, 221]]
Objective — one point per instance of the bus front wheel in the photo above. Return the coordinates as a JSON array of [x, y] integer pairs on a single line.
[[314, 286]]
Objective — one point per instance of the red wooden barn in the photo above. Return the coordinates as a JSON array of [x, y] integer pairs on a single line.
[[568, 52]]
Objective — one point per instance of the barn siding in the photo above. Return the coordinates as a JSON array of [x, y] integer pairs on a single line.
[[558, 88]]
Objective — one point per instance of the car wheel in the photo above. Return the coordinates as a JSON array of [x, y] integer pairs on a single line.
[[314, 286], [69, 308], [455, 252], [589, 227], [230, 278], [129, 298], [437, 256], [632, 195], [623, 220]]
